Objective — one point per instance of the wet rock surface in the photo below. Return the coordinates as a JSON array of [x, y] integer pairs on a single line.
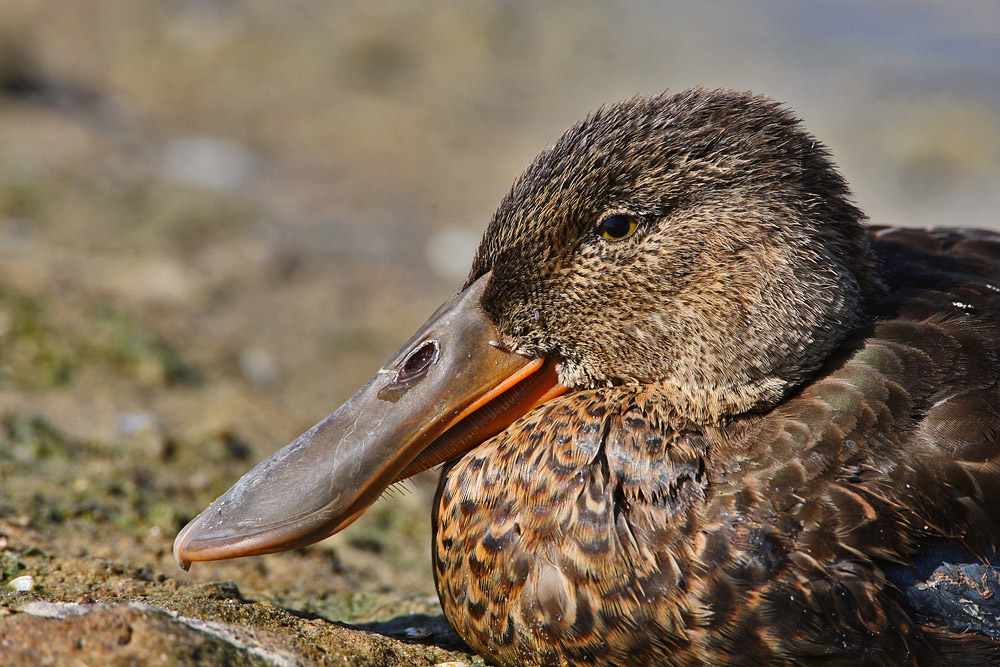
[[145, 633], [91, 610]]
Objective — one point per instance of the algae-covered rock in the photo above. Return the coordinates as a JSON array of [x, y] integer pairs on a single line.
[[92, 611], [53, 633], [61, 634]]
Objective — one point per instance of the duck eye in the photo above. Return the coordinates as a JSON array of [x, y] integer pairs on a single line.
[[617, 227]]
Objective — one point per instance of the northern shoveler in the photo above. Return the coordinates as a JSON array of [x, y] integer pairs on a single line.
[[691, 410]]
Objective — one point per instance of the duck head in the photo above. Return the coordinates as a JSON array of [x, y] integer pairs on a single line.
[[701, 241]]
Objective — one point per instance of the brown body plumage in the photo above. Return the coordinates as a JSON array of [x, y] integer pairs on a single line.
[[771, 409], [604, 528], [685, 520]]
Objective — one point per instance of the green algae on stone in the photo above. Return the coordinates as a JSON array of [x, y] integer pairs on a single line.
[[209, 623], [32, 354]]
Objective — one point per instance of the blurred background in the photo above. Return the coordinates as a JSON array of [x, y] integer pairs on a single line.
[[219, 217]]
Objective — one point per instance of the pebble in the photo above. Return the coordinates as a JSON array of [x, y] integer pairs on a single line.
[[131, 423], [212, 164], [258, 366], [25, 582]]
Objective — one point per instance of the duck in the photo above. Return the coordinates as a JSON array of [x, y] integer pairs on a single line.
[[690, 408]]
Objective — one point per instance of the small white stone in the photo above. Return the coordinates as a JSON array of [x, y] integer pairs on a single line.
[[205, 162], [131, 423], [258, 366], [25, 582]]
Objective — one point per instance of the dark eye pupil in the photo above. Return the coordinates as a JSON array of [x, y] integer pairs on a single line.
[[616, 226]]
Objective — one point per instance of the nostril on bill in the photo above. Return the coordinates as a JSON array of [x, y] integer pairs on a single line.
[[418, 361], [413, 368]]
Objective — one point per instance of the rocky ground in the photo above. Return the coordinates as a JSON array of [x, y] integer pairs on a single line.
[[217, 218]]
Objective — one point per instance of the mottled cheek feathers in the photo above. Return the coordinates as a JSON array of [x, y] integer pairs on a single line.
[[703, 240]]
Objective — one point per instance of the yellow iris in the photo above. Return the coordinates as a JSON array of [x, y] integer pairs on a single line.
[[617, 227]]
